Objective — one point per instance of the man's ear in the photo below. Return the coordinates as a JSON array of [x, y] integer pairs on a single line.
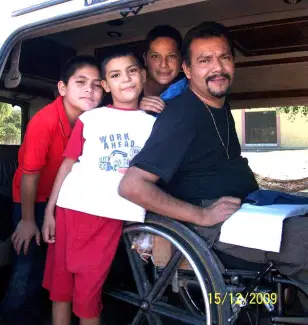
[[186, 70], [62, 88], [105, 85]]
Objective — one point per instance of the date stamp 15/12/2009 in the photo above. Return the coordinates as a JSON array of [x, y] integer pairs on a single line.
[[252, 298]]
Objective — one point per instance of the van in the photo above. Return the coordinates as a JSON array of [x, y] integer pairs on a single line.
[[269, 97]]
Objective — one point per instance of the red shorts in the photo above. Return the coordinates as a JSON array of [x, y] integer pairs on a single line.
[[79, 261]]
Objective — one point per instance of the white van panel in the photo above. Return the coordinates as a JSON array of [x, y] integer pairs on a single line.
[[14, 23]]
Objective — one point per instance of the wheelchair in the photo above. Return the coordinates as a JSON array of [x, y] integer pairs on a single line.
[[176, 278]]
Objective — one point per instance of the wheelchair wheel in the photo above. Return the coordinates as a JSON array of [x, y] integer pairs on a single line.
[[151, 295]]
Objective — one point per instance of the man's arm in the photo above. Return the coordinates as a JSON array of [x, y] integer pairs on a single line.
[[139, 187]]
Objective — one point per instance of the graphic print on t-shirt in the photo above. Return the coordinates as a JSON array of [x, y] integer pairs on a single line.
[[124, 151], [110, 140]]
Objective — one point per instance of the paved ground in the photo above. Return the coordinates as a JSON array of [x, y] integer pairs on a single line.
[[284, 164]]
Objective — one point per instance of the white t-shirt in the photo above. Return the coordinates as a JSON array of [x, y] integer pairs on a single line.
[[104, 141]]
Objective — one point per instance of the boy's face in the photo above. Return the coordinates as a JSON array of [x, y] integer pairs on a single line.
[[124, 79], [83, 91]]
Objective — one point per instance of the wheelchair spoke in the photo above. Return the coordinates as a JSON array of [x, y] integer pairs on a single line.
[[154, 319], [126, 296], [141, 279], [138, 320], [163, 281]]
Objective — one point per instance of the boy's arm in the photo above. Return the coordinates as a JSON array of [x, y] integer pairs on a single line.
[[64, 170], [72, 152], [28, 195], [37, 142], [27, 227]]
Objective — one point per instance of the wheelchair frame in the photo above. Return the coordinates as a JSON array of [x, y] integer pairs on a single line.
[[211, 276]]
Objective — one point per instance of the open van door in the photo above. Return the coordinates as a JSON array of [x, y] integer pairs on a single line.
[[21, 16], [29, 18], [269, 98]]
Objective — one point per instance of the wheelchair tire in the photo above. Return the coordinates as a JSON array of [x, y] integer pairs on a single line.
[[206, 261], [203, 262]]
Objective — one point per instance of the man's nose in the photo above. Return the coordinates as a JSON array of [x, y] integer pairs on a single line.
[[217, 65]]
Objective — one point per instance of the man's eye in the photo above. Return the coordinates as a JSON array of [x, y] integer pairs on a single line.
[[98, 85], [80, 81], [133, 70], [115, 75], [154, 56], [226, 57], [205, 60], [173, 56]]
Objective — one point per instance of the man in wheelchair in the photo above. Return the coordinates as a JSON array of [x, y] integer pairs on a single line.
[[191, 168]]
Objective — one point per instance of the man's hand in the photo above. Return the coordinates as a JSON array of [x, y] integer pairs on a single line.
[[23, 235], [219, 211], [152, 103], [49, 229]]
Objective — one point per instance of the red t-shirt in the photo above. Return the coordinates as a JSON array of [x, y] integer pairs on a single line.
[[42, 149], [74, 147]]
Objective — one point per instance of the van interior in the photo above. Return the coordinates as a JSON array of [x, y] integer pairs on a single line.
[[271, 43]]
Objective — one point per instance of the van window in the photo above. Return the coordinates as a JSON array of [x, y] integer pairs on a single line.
[[12, 122], [261, 128]]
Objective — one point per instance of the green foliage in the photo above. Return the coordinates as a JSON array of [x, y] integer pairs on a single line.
[[10, 124], [293, 111]]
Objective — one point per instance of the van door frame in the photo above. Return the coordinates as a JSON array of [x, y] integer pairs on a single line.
[[97, 9]]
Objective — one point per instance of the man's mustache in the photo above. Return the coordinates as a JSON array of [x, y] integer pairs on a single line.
[[224, 75]]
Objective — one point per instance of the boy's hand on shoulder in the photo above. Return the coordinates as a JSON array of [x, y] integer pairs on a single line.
[[152, 103], [49, 228]]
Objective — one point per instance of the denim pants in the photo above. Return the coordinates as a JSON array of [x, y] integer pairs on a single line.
[[22, 304]]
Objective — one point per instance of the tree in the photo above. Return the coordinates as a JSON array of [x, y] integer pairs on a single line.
[[293, 111], [10, 124]]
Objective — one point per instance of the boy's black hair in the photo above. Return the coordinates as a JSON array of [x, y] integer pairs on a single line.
[[75, 63], [117, 52], [207, 29], [163, 31]]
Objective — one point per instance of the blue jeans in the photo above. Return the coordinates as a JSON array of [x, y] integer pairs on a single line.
[[22, 304]]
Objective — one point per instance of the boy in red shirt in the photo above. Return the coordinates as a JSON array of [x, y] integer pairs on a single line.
[[86, 229], [40, 157]]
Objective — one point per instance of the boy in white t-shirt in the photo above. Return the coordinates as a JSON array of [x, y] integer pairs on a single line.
[[84, 234]]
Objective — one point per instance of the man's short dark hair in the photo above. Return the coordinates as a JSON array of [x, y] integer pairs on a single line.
[[117, 52], [75, 63], [207, 29], [163, 31]]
